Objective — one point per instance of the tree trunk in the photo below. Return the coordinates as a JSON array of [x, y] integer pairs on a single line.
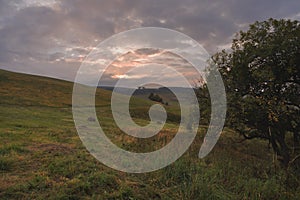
[[280, 148], [284, 151], [296, 140]]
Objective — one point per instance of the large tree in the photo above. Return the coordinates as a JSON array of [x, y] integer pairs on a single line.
[[261, 73]]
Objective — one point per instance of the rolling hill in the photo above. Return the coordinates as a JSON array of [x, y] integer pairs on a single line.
[[42, 157]]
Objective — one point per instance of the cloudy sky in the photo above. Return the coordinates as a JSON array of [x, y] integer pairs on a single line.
[[52, 38]]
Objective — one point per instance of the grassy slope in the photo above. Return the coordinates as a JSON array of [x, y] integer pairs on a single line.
[[41, 155]]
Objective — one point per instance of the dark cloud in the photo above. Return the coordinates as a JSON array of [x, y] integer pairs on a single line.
[[40, 36], [147, 51]]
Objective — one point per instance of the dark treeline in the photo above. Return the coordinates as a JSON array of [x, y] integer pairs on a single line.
[[261, 73]]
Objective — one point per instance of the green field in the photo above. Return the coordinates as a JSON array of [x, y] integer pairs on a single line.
[[42, 157]]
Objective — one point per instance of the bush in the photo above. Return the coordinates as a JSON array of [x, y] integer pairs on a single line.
[[155, 97]]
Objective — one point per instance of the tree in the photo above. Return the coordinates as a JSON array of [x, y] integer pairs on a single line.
[[262, 79], [155, 97], [204, 104]]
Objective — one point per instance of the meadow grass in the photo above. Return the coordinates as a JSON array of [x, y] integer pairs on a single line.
[[42, 157]]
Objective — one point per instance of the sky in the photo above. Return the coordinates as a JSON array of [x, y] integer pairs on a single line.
[[52, 38]]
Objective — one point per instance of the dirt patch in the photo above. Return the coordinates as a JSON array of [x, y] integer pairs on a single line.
[[52, 148]]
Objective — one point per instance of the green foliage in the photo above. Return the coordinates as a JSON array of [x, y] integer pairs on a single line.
[[204, 104], [262, 78], [155, 97]]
